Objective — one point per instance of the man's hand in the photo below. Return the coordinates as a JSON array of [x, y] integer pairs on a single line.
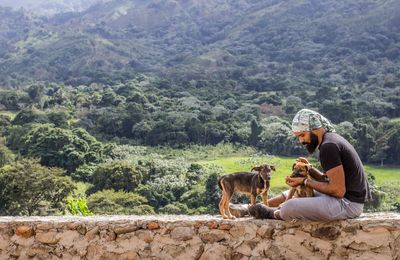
[[294, 181]]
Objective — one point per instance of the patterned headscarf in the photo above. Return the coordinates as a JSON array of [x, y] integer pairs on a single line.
[[307, 120]]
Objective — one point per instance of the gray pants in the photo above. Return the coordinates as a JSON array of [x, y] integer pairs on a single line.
[[320, 207]]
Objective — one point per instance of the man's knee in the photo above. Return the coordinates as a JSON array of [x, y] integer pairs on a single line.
[[289, 211]]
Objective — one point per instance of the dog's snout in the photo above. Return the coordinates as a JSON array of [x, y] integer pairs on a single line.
[[296, 173], [267, 177]]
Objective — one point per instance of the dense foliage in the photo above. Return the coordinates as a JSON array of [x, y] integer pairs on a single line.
[[27, 188], [60, 127]]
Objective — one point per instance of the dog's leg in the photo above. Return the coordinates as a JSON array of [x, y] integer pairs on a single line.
[[309, 192], [291, 193], [227, 201], [264, 196], [253, 199], [222, 203]]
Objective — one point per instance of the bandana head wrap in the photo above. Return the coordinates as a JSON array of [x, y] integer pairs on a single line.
[[307, 120]]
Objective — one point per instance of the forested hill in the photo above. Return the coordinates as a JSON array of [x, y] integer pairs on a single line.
[[204, 72], [265, 44]]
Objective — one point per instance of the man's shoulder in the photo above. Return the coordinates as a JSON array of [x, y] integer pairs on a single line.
[[332, 138], [328, 146], [335, 141], [330, 142]]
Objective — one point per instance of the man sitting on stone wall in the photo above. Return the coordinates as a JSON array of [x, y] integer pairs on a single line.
[[342, 197]]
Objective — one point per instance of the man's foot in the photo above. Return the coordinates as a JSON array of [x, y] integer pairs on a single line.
[[261, 211]]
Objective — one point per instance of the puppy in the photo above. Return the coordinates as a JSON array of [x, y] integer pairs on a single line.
[[300, 169], [245, 182]]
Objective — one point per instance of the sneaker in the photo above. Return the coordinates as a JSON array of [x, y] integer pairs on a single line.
[[260, 211]]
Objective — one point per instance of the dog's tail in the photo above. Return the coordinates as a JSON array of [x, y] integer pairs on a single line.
[[219, 182]]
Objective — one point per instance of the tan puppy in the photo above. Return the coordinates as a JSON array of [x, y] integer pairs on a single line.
[[300, 169]]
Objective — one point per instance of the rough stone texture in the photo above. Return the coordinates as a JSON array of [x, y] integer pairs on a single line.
[[372, 236]]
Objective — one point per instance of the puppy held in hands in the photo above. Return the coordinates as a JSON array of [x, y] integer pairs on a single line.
[[300, 169]]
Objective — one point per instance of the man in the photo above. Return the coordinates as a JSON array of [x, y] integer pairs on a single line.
[[342, 196]]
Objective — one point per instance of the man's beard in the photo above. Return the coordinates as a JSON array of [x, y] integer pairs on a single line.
[[313, 144]]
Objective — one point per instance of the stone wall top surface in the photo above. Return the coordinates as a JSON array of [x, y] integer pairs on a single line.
[[364, 218]]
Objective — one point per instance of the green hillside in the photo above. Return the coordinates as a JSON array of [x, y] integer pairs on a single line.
[[267, 45]]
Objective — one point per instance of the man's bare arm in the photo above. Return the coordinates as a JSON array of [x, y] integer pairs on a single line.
[[314, 173], [317, 175], [335, 187]]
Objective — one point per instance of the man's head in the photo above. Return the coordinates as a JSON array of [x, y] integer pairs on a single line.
[[307, 125]]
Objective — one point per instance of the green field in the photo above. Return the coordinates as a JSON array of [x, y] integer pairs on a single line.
[[386, 177]]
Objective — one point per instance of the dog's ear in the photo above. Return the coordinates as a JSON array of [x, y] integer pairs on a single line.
[[273, 167], [255, 168], [293, 166]]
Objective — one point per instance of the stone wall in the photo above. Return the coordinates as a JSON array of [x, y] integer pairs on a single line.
[[374, 236]]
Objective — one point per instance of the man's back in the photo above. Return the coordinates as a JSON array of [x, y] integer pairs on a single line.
[[335, 151]]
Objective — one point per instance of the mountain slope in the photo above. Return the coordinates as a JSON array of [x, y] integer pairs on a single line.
[[269, 45]]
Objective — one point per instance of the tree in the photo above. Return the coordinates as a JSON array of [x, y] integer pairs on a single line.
[[347, 130], [27, 188], [213, 193], [256, 130], [35, 92], [365, 133], [30, 116], [60, 147], [118, 202], [175, 208], [6, 156], [292, 105], [5, 121], [275, 138], [164, 190], [59, 118], [117, 175]]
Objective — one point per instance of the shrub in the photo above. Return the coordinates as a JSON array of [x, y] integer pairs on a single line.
[[118, 202]]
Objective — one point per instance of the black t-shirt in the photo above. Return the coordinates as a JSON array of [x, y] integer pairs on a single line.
[[334, 151]]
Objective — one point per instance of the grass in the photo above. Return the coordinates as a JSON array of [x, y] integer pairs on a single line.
[[385, 176]]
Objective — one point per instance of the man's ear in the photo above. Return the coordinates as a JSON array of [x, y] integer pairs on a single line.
[[273, 168]]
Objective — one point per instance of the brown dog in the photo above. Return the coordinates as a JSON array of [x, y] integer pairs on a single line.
[[300, 169], [245, 182]]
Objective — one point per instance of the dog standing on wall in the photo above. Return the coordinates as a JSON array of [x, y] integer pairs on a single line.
[[250, 183]]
